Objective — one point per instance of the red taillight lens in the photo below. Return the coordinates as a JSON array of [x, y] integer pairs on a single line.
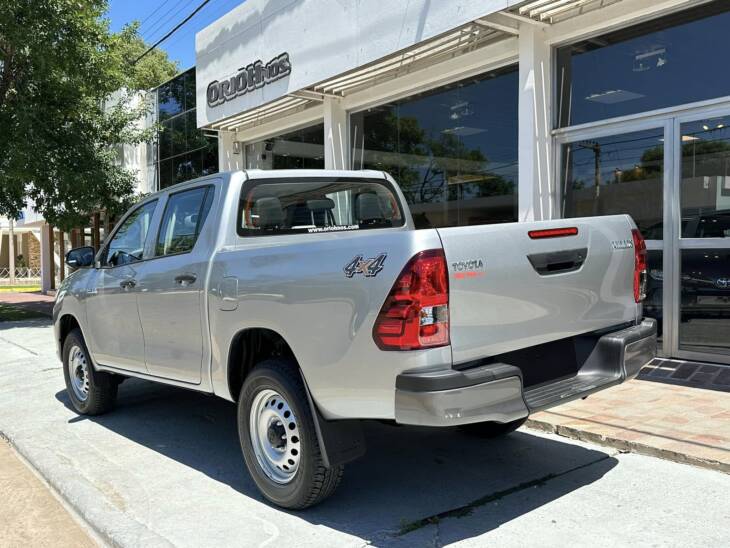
[[639, 266], [416, 312], [553, 233]]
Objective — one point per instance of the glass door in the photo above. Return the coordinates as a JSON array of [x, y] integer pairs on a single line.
[[700, 244], [619, 169]]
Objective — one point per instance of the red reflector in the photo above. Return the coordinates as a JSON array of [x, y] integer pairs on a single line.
[[553, 233], [640, 254], [416, 312]]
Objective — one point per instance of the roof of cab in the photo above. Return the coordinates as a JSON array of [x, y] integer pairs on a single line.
[[270, 174], [282, 173]]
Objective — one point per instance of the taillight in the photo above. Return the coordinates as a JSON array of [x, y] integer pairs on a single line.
[[416, 312], [639, 266]]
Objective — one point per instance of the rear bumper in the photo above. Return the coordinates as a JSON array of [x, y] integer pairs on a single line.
[[494, 392]]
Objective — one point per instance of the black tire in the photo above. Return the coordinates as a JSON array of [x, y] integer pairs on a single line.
[[312, 482], [492, 429], [102, 387]]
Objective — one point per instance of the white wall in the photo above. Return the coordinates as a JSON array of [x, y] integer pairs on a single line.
[[322, 38]]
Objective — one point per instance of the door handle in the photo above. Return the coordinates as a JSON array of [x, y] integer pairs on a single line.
[[127, 284], [185, 279]]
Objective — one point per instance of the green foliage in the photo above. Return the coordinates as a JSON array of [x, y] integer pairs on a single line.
[[61, 122]]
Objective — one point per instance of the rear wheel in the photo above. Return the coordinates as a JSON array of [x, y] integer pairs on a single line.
[[492, 429], [91, 392], [279, 440]]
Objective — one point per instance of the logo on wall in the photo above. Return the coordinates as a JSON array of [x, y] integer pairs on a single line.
[[248, 78]]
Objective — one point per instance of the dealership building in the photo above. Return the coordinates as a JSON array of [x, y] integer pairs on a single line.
[[492, 111]]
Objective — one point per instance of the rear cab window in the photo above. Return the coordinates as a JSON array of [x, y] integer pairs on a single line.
[[317, 204]]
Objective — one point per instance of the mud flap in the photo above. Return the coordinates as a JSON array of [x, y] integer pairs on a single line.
[[341, 441]]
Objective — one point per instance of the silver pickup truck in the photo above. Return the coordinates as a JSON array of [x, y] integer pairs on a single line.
[[310, 299]]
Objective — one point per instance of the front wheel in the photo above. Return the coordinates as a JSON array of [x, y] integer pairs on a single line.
[[91, 392], [279, 440]]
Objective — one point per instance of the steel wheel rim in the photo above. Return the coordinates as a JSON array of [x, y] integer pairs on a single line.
[[78, 372], [274, 432]]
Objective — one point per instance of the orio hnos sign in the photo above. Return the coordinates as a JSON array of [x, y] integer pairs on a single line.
[[248, 78]]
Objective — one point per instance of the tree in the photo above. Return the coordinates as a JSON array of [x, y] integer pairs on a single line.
[[67, 101]]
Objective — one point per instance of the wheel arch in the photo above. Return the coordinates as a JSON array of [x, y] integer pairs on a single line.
[[250, 346], [67, 323]]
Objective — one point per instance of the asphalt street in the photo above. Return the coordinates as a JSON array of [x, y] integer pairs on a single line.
[[165, 469]]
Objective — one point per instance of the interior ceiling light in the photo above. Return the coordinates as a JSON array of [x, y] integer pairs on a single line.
[[463, 131], [654, 58], [613, 96]]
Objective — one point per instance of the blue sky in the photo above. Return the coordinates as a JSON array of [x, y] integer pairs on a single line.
[[159, 16]]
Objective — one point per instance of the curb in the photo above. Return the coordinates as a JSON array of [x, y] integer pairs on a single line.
[[115, 534], [626, 446], [94, 534]]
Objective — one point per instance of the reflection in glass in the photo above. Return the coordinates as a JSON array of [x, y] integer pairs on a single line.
[[452, 150], [705, 185], [617, 174], [705, 300], [665, 62], [301, 149], [185, 152], [653, 304]]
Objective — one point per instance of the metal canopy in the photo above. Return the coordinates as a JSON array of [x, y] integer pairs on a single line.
[[464, 39], [554, 11]]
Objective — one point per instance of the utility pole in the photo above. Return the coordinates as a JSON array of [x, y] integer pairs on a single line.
[[596, 148]]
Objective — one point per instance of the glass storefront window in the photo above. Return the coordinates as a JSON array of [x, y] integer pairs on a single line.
[[185, 152], [705, 300], [300, 149], [665, 62], [617, 174], [705, 184], [452, 150]]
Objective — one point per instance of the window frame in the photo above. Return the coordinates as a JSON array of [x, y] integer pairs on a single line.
[[104, 252], [250, 184], [198, 228]]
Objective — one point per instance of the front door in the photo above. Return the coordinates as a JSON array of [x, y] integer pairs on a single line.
[[700, 247], [171, 288], [115, 334]]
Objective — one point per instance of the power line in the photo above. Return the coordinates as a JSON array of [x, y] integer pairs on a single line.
[[213, 13], [169, 15], [158, 8], [180, 24]]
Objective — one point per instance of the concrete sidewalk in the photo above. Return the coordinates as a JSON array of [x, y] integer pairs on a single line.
[[29, 514], [673, 410]]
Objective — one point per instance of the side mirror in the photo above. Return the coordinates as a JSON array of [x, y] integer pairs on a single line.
[[80, 257]]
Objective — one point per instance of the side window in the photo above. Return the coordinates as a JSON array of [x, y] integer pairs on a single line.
[[127, 245], [184, 216]]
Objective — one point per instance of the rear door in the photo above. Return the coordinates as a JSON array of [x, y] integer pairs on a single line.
[[170, 288], [510, 291]]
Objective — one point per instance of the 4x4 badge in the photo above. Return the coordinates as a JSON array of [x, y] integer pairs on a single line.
[[368, 267]]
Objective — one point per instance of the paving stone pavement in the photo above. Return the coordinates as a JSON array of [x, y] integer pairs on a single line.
[[674, 410], [34, 300]]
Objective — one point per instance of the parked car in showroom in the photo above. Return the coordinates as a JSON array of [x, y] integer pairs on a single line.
[[309, 299], [704, 273]]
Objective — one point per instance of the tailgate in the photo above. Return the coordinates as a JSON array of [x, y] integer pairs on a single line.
[[509, 291]]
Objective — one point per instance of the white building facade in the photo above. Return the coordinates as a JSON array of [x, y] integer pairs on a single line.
[[492, 111]]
